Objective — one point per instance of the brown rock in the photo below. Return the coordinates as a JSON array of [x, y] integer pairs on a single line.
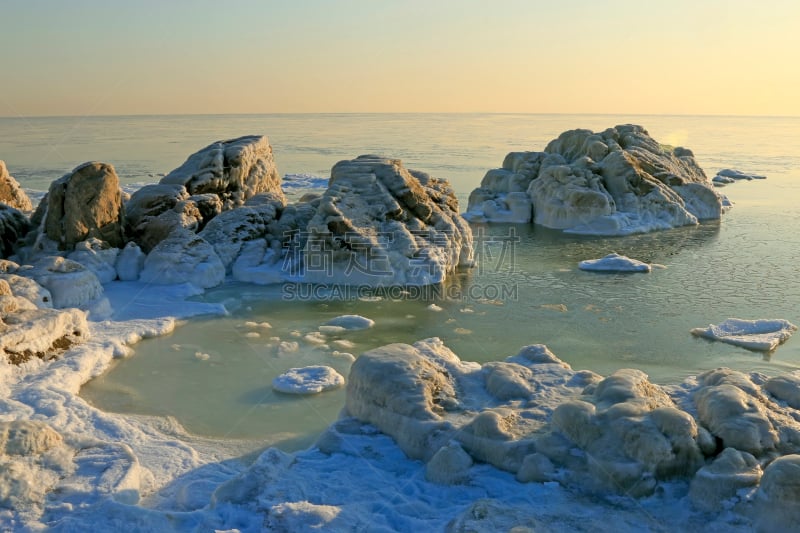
[[85, 203]]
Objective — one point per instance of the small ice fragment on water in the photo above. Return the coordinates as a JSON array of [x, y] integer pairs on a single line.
[[344, 355], [463, 331], [344, 343], [350, 322], [251, 324], [450, 321], [467, 310], [614, 262], [275, 339], [252, 334], [315, 337], [410, 317], [175, 347], [308, 380], [370, 298], [295, 333], [265, 325], [434, 307], [286, 347], [200, 356], [331, 330]]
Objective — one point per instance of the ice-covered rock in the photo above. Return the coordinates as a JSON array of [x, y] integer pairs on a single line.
[[617, 182], [308, 380], [734, 410], [381, 224], [148, 213], [785, 388], [183, 257], [130, 262], [778, 497], [70, 283], [27, 437], [14, 225], [98, 257], [43, 333], [230, 231], [614, 262], [718, 482], [85, 203], [762, 335], [449, 466], [234, 170], [11, 194]]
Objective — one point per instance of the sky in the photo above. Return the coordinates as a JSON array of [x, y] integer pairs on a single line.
[[108, 57]]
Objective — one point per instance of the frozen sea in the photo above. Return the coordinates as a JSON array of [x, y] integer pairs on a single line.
[[212, 375]]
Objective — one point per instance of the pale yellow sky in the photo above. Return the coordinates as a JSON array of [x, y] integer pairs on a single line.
[[88, 57]]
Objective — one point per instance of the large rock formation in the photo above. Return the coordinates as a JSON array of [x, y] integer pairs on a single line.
[[617, 182], [85, 203], [537, 418], [220, 177], [11, 193], [381, 224], [234, 170]]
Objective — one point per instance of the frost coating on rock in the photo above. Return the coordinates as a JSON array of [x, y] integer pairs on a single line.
[[449, 466], [85, 203], [42, 333], [11, 193], [762, 335], [308, 380], [130, 262], [381, 224], [183, 257], [230, 231], [234, 170], [98, 257], [614, 262], [778, 497], [617, 182], [719, 481], [70, 283]]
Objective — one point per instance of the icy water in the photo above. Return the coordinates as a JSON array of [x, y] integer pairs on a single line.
[[213, 375]]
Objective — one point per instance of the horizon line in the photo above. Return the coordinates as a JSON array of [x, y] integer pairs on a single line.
[[283, 113]]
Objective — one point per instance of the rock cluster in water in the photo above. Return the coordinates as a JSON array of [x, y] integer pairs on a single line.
[[734, 437], [616, 182], [221, 214]]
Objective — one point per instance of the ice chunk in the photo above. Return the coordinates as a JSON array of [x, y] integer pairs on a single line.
[[308, 380], [614, 262], [759, 335], [351, 322]]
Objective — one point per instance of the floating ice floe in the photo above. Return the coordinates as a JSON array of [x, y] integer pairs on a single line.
[[350, 322], [729, 175], [760, 335], [308, 380], [614, 262]]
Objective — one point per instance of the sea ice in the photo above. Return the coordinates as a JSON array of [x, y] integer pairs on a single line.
[[614, 262], [308, 380], [350, 322], [759, 335], [738, 175]]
